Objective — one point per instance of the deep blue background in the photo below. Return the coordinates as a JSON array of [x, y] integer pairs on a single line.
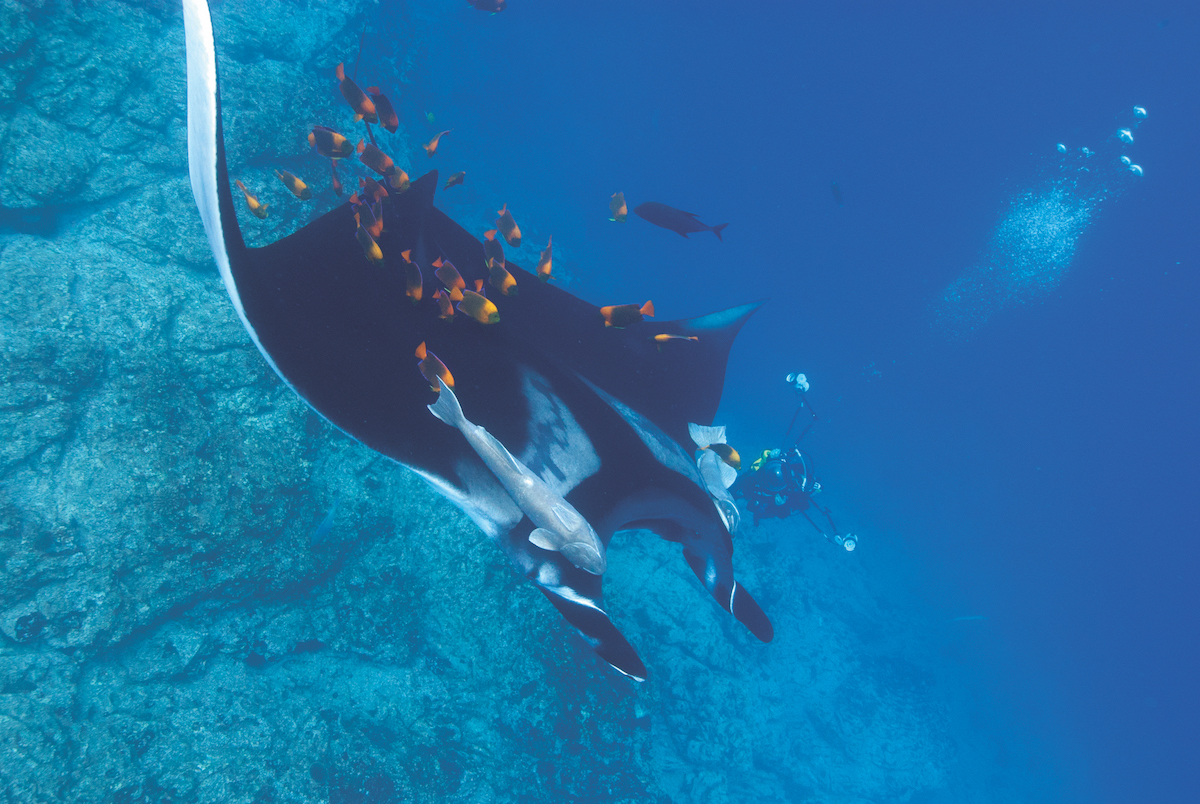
[[1043, 474]]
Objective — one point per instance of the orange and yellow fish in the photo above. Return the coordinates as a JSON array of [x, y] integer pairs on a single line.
[[370, 248], [259, 210], [622, 315], [493, 252], [455, 180], [329, 143], [479, 307], [372, 190], [617, 207], [414, 283], [298, 188], [364, 108], [375, 159], [369, 218], [399, 180], [432, 146], [382, 164], [450, 278], [726, 453], [433, 370], [508, 227], [337, 182], [661, 339], [502, 280], [385, 110], [447, 309], [546, 261]]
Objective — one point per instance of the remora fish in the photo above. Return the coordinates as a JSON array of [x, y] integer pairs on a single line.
[[560, 528], [683, 223], [599, 414]]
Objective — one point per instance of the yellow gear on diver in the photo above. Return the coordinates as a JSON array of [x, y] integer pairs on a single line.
[[754, 467]]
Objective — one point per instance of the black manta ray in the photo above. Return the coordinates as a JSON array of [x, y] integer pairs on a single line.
[[595, 415]]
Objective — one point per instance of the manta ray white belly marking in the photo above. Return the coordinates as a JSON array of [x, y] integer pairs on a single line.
[[559, 451]]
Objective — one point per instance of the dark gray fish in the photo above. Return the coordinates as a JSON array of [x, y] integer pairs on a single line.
[[676, 220]]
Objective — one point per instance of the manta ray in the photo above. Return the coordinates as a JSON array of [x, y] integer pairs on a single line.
[[597, 417]]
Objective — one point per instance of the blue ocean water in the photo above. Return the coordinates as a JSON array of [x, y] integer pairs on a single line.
[[1000, 338], [1038, 464]]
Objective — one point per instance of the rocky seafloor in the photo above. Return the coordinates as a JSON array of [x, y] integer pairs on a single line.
[[174, 625]]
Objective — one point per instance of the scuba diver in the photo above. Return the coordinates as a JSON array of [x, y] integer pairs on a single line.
[[781, 481]]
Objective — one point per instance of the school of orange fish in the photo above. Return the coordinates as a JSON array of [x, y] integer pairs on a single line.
[[373, 108]]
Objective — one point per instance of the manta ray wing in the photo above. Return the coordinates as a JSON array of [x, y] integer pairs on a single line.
[[600, 414]]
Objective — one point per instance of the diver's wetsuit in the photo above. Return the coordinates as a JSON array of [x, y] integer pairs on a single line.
[[778, 486]]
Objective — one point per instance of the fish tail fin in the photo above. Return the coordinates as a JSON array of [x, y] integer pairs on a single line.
[[717, 231], [704, 435], [447, 408], [341, 74]]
